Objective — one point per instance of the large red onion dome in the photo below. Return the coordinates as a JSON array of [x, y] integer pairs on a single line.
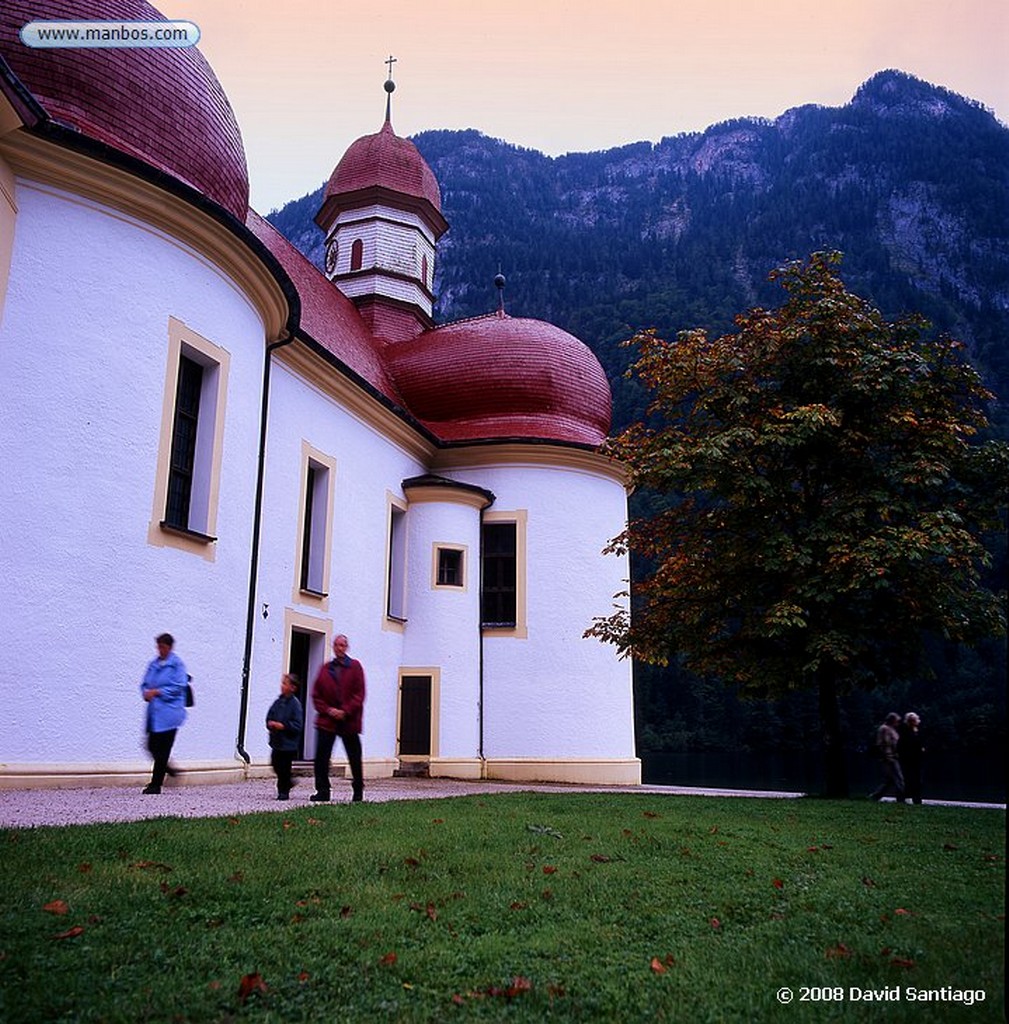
[[498, 377], [163, 106]]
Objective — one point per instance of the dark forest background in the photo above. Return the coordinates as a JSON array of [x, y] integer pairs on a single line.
[[908, 180]]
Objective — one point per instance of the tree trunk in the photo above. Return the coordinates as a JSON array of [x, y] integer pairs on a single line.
[[835, 774]]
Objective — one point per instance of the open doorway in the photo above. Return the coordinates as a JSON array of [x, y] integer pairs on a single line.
[[306, 653]]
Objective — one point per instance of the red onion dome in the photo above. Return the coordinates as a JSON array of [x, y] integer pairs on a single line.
[[387, 163], [163, 106], [498, 377]]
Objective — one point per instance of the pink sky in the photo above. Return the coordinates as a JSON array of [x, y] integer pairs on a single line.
[[565, 75]]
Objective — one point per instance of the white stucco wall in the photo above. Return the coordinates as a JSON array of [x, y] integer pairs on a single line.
[[83, 350], [368, 467], [554, 694], [444, 623]]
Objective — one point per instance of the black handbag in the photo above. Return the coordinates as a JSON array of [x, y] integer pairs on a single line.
[[190, 696]]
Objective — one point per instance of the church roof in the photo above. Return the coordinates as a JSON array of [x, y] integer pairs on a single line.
[[163, 106], [499, 377], [328, 317]]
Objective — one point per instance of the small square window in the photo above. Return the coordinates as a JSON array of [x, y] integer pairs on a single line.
[[450, 567]]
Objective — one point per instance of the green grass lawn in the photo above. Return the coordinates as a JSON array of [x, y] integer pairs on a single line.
[[525, 907]]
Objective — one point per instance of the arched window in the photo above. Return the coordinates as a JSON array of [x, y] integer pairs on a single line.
[[356, 254]]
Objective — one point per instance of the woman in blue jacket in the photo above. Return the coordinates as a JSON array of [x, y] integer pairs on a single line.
[[164, 689]]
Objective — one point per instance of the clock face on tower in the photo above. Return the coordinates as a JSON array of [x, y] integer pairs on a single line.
[[331, 254]]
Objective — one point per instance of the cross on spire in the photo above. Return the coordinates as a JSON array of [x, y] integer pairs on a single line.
[[390, 87]]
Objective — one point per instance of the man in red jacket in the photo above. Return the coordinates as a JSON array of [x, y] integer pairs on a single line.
[[338, 696]]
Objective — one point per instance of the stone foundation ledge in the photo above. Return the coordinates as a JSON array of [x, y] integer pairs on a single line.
[[581, 771]]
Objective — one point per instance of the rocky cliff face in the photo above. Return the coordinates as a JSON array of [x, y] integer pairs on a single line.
[[909, 180]]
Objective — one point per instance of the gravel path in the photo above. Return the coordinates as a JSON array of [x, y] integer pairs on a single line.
[[29, 807], [26, 808]]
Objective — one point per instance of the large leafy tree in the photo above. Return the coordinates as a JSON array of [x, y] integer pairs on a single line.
[[820, 498]]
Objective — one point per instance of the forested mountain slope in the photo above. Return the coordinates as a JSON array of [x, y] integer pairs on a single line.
[[909, 180]]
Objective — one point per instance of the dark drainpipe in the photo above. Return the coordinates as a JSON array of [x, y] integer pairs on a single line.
[[250, 618], [483, 760]]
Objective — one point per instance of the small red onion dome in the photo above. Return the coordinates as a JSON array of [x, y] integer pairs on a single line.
[[498, 377], [389, 164], [163, 106]]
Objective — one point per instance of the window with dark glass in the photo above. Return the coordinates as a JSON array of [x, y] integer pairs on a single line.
[[356, 254], [313, 541], [396, 598], [498, 591], [184, 431], [449, 567]]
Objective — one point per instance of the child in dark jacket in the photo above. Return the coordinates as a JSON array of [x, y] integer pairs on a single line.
[[284, 722]]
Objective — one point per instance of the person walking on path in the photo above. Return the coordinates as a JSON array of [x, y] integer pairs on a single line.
[[909, 751], [338, 698], [164, 690], [283, 722], [886, 749]]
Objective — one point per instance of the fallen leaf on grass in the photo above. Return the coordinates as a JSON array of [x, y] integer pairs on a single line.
[[548, 869], [778, 883], [346, 911], [519, 905], [715, 923], [71, 933], [899, 961], [600, 858], [651, 814], [903, 913], [661, 966], [151, 865], [56, 907], [84, 868], [388, 960], [518, 987], [838, 952], [251, 984]]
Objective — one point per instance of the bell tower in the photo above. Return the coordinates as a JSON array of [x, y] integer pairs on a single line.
[[382, 217]]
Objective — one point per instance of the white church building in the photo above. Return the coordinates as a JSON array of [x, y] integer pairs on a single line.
[[201, 433]]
